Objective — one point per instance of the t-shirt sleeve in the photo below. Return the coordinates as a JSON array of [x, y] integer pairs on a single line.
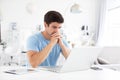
[[32, 44]]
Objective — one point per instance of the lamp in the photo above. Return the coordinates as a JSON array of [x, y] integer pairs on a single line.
[[31, 8], [75, 8]]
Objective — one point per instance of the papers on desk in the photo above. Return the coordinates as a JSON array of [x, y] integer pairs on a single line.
[[20, 71]]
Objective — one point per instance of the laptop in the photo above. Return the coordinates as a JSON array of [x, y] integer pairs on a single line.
[[79, 59]]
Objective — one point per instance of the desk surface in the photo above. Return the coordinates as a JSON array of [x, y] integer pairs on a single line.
[[105, 74]]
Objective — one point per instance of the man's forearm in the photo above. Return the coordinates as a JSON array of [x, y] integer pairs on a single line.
[[39, 57], [65, 51]]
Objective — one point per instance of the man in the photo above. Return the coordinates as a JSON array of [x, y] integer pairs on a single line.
[[44, 48]]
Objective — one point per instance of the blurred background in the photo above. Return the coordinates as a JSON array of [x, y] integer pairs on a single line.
[[87, 23]]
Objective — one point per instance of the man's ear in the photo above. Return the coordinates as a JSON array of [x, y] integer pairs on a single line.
[[45, 24]]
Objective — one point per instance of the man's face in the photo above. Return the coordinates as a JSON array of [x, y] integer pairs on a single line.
[[52, 28]]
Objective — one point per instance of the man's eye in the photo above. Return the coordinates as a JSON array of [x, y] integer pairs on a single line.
[[59, 27], [54, 27]]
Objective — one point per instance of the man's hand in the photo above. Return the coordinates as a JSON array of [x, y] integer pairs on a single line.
[[60, 42], [55, 38]]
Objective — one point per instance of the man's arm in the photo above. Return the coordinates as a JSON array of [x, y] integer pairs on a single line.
[[65, 50], [37, 58]]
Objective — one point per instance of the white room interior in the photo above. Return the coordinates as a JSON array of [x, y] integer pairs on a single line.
[[21, 18]]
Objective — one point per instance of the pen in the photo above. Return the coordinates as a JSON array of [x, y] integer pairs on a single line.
[[9, 72]]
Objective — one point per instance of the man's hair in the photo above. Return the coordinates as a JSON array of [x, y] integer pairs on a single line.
[[53, 16]]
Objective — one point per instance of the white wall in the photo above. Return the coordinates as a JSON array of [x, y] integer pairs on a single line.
[[28, 14]]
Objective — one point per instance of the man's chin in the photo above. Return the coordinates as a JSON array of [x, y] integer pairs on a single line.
[[49, 34]]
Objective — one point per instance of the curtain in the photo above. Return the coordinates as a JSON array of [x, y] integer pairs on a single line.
[[101, 22]]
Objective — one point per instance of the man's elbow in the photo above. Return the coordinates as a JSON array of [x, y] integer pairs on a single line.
[[34, 65]]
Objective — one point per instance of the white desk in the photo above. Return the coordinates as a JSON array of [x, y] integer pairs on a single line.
[[105, 74]]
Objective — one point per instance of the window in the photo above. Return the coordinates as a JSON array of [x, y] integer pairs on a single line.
[[111, 29]]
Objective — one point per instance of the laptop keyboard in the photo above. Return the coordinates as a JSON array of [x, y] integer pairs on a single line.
[[51, 68]]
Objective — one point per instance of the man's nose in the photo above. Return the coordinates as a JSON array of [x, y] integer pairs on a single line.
[[56, 30]]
